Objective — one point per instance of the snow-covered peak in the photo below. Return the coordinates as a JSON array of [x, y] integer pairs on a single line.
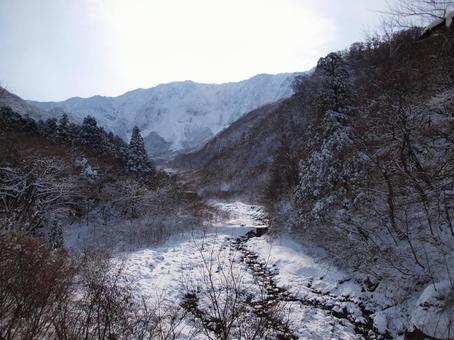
[[184, 114]]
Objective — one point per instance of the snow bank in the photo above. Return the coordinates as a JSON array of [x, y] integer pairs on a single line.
[[301, 265], [434, 311]]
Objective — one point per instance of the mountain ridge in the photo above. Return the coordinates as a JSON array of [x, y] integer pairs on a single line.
[[20, 105], [182, 115], [168, 83]]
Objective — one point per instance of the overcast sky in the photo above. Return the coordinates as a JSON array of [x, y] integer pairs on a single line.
[[56, 49]]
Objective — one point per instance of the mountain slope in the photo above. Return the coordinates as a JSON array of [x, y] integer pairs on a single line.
[[20, 106], [184, 114], [238, 159]]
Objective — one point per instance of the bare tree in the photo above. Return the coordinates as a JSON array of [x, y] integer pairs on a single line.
[[31, 194], [411, 13], [226, 305], [48, 294]]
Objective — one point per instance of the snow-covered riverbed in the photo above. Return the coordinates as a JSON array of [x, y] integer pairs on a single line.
[[163, 272]]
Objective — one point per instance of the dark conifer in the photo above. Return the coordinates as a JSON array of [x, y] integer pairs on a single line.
[[138, 161]]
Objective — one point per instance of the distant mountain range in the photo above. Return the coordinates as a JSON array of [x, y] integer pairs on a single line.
[[174, 118]]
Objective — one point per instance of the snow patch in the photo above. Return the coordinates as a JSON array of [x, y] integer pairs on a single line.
[[434, 311]]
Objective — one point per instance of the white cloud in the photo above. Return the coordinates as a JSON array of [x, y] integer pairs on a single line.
[[62, 48], [213, 41]]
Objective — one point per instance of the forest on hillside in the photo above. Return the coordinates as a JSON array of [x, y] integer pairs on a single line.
[[361, 159], [373, 181], [377, 164], [54, 176]]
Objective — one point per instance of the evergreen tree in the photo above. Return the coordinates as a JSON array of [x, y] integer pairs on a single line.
[[331, 174], [64, 120], [120, 147], [334, 83], [90, 134], [138, 161], [29, 124], [12, 120], [49, 127], [74, 132], [63, 130]]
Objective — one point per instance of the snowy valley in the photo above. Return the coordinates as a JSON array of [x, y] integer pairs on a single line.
[[308, 205]]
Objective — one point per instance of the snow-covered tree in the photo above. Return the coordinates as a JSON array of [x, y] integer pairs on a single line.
[[327, 175], [90, 133], [410, 13], [334, 91], [119, 146], [49, 127], [138, 161], [32, 194], [86, 171], [64, 121], [10, 120], [63, 129]]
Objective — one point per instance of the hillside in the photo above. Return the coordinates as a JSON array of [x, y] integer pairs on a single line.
[[237, 160], [21, 106], [178, 116], [359, 161]]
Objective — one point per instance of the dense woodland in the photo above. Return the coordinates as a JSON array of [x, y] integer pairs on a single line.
[[53, 175], [361, 159], [373, 181], [81, 174], [376, 171]]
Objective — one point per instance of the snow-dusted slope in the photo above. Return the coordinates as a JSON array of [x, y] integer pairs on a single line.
[[184, 114], [21, 106]]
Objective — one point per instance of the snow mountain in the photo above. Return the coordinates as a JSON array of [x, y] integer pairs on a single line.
[[176, 117]]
